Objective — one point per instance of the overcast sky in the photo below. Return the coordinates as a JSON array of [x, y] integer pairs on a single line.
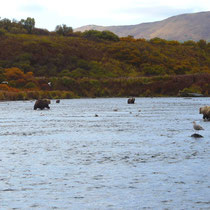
[[76, 13]]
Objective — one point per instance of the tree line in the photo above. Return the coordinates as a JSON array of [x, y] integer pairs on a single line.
[[27, 26]]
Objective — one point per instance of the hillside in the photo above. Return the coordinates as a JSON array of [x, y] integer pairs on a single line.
[[89, 65], [183, 27]]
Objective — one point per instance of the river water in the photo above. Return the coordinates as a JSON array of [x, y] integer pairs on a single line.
[[104, 154]]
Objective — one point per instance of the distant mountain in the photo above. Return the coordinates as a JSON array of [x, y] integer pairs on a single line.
[[183, 27]]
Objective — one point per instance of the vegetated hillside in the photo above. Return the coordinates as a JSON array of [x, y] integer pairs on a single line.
[[183, 27], [86, 57], [99, 64]]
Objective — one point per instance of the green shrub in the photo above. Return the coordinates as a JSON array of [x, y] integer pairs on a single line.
[[192, 89], [2, 32], [30, 85]]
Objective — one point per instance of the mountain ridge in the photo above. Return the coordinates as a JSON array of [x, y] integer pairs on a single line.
[[183, 27]]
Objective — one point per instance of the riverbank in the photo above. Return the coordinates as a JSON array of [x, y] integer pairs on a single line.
[[156, 86], [30, 95]]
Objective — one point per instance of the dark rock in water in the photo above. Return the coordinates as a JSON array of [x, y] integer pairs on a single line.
[[57, 101], [195, 135]]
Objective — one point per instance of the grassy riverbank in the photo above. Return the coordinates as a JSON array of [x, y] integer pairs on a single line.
[[66, 87]]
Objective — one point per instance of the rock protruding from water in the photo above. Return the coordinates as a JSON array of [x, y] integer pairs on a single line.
[[196, 135]]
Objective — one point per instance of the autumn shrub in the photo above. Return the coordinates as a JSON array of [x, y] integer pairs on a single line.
[[14, 73], [32, 95], [21, 96], [11, 96], [2, 95], [44, 94], [55, 94], [68, 95], [4, 87]]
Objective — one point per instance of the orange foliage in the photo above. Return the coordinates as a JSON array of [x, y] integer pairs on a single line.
[[128, 38], [29, 75], [14, 73], [4, 87]]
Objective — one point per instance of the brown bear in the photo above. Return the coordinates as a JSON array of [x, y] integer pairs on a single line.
[[206, 112], [131, 100], [41, 104]]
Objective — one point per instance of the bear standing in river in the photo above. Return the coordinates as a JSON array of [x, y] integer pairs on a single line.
[[206, 112], [131, 100], [41, 104]]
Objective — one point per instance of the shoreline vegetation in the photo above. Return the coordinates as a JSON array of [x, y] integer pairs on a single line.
[[158, 86], [36, 63]]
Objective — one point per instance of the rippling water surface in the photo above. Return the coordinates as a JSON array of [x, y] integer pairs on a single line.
[[132, 156]]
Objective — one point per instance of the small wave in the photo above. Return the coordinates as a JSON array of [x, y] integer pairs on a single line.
[[9, 190]]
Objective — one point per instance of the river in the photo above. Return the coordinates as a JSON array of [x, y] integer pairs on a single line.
[[104, 154]]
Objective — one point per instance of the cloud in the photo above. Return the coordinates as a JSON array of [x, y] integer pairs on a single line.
[[32, 8], [152, 13]]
